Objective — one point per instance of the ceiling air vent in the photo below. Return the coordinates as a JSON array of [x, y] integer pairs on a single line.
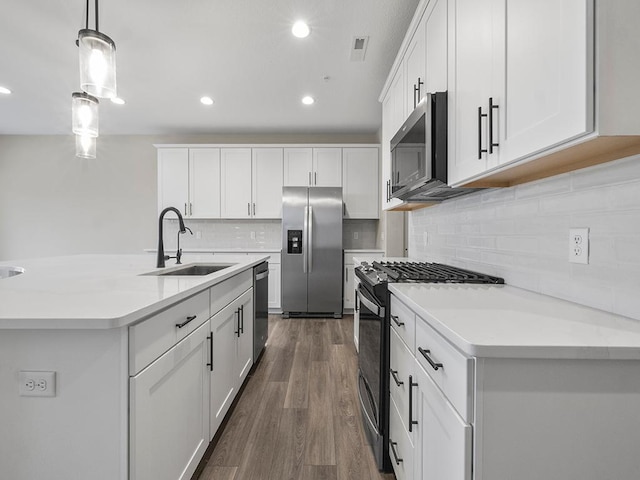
[[359, 48]]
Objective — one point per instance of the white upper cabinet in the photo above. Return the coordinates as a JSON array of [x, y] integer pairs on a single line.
[[267, 169], [327, 167], [313, 167], [436, 51], [235, 184], [522, 80], [360, 180], [185, 179], [393, 108], [298, 166], [204, 176], [414, 64]]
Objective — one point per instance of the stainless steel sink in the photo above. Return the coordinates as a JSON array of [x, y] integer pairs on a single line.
[[6, 272], [194, 269]]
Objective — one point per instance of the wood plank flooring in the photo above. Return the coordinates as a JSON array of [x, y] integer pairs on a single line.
[[298, 417]]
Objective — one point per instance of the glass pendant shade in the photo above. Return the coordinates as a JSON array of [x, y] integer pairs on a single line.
[[85, 146], [97, 63], [84, 114]]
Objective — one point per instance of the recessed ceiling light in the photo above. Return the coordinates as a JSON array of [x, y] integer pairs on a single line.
[[206, 101], [117, 101], [300, 29], [308, 100], [5, 90]]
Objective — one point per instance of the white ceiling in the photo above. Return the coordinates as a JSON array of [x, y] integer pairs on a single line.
[[170, 53]]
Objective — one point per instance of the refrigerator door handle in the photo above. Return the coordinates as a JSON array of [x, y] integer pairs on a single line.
[[305, 239], [310, 239]]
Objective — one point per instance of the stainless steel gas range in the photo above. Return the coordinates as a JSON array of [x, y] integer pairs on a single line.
[[372, 301]]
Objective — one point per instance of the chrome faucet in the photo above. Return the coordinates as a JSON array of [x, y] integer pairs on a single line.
[[161, 255]]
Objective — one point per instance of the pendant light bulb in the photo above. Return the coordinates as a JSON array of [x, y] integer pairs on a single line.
[[97, 64], [85, 146], [84, 114]]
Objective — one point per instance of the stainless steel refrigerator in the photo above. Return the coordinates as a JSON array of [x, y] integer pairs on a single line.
[[312, 251]]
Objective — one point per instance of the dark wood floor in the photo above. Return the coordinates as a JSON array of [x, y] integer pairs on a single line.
[[298, 417]]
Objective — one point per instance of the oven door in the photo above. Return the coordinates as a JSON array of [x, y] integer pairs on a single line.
[[371, 388]]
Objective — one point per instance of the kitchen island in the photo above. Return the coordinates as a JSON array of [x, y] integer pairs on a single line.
[[495, 382], [139, 369]]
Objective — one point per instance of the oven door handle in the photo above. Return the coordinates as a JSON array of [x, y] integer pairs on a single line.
[[370, 303]]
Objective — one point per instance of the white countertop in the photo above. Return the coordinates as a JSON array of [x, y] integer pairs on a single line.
[[99, 291], [504, 321], [220, 250]]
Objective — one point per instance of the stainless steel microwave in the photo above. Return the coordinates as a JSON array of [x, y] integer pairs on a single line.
[[419, 153]]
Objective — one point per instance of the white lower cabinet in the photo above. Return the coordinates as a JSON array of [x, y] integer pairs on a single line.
[[401, 448], [441, 436], [169, 412], [275, 286], [231, 354]]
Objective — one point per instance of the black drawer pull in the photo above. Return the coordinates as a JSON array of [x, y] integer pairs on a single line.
[[188, 320], [241, 319], [425, 354], [210, 364], [395, 319], [395, 454], [394, 374], [492, 144], [480, 149], [412, 422], [237, 312]]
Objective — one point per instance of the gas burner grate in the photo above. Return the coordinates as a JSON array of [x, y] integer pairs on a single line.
[[432, 273]]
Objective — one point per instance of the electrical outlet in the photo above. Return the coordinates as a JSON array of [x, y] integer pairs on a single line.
[[198, 234], [37, 384], [579, 245], [355, 235], [425, 239], [253, 235]]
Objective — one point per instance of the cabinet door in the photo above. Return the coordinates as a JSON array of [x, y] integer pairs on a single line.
[[204, 182], [235, 184], [169, 412], [414, 61], [443, 439], [349, 292], [274, 286], [477, 25], [267, 168], [173, 179], [436, 31], [245, 340], [224, 328], [327, 167], [360, 182], [298, 166], [546, 74], [388, 130]]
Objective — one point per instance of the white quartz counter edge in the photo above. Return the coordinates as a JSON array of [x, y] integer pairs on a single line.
[[220, 250], [508, 322], [120, 297]]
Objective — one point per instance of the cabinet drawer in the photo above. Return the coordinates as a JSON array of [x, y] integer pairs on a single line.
[[401, 366], [226, 292], [451, 370], [151, 338], [401, 449], [403, 320]]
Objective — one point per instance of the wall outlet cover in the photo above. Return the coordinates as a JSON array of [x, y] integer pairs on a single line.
[[37, 384], [579, 245]]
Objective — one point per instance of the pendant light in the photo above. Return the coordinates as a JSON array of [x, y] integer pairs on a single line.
[[84, 114], [97, 60], [85, 146]]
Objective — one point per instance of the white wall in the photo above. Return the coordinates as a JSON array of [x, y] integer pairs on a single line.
[[52, 203], [522, 234]]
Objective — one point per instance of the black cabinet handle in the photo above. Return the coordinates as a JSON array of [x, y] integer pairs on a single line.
[[416, 92], [210, 364], [394, 374], [388, 190], [420, 83], [395, 454], [188, 320], [492, 144], [395, 319], [480, 149], [356, 301], [237, 332], [241, 320], [425, 354], [412, 422]]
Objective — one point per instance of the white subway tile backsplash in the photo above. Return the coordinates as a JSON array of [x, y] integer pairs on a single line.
[[522, 233]]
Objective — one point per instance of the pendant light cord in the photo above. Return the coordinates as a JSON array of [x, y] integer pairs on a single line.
[[87, 16]]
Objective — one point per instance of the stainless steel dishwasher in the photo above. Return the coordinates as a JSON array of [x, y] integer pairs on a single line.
[[261, 309]]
